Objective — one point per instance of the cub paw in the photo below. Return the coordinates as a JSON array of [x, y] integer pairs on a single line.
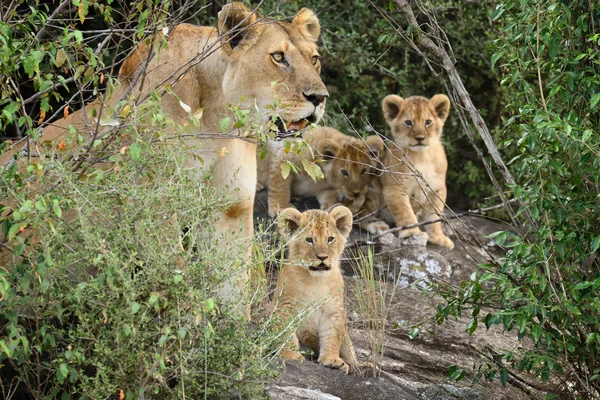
[[442, 241], [412, 232], [291, 355], [377, 227], [334, 362]]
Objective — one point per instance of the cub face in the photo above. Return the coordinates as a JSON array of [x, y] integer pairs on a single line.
[[351, 165], [316, 237], [416, 122]]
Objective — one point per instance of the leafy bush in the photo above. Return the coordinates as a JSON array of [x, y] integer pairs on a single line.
[[546, 288], [116, 292]]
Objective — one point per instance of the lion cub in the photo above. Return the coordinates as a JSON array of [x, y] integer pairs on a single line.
[[416, 125], [347, 163], [311, 282]]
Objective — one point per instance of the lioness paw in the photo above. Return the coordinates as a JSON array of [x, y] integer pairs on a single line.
[[334, 362], [442, 241]]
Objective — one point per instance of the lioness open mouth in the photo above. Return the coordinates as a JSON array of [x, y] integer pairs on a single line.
[[291, 128], [320, 267]]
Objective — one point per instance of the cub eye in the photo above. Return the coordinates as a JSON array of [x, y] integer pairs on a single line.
[[277, 56], [330, 239], [408, 122], [309, 240], [344, 172], [364, 171], [314, 60], [428, 122]]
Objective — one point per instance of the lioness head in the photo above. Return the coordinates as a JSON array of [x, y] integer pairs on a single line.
[[273, 61], [316, 237], [350, 164], [416, 122]]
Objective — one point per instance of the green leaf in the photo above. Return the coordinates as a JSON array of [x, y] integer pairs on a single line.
[[61, 57], [496, 57], [181, 333], [313, 170], [497, 13], [134, 307], [62, 373], [15, 229], [135, 151], [413, 333], [224, 124], [285, 170], [56, 208], [595, 244], [595, 99], [32, 62]]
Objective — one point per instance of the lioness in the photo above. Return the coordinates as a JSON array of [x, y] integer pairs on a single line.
[[416, 125], [242, 61], [347, 164], [311, 277]]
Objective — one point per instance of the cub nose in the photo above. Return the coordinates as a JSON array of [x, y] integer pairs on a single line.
[[315, 98], [356, 191], [420, 138], [322, 257]]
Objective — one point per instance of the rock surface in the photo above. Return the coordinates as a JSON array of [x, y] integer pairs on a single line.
[[409, 369]]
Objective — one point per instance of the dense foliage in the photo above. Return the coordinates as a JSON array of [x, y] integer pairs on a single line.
[[115, 295], [546, 288]]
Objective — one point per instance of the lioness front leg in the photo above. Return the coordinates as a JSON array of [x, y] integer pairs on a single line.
[[280, 189], [432, 211], [399, 205]]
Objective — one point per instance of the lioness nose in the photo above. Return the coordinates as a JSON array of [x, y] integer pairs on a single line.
[[322, 257], [315, 98]]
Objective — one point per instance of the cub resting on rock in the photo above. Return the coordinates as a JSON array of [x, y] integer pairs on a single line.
[[311, 277], [416, 125], [348, 166]]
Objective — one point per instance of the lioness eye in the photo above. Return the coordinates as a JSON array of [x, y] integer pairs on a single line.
[[344, 172], [314, 60], [428, 122], [364, 171], [408, 122], [330, 239], [277, 57], [309, 240]]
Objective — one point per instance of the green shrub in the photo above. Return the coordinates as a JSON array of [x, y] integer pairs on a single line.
[[546, 288]]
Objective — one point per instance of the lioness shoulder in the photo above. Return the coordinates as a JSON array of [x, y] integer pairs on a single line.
[[348, 165], [311, 278], [414, 183]]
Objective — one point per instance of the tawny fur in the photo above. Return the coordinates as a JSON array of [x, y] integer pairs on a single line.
[[348, 165], [239, 69], [315, 239], [416, 124]]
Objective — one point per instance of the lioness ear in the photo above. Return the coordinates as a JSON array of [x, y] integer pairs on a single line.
[[235, 25], [392, 106], [376, 146], [343, 220], [290, 220], [308, 24], [441, 105], [329, 148]]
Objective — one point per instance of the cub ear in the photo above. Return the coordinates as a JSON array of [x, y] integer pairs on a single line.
[[289, 222], [343, 220], [329, 148], [307, 24], [441, 105], [236, 26], [376, 146], [392, 106]]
